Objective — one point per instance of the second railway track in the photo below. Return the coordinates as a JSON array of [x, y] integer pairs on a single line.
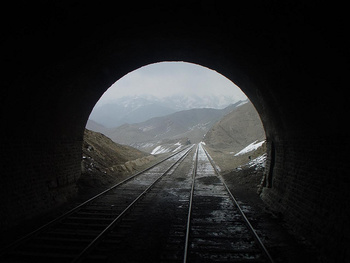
[[70, 237], [218, 230], [187, 215]]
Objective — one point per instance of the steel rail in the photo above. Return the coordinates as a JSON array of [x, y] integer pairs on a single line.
[[194, 173], [4, 250], [93, 243], [251, 228]]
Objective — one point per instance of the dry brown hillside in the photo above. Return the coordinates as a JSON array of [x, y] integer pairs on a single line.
[[104, 161], [232, 133], [236, 130]]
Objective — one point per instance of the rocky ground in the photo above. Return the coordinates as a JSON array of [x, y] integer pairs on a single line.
[[281, 243], [227, 161], [105, 162], [243, 176]]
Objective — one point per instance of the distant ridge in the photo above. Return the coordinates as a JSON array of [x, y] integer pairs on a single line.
[[136, 109], [190, 124]]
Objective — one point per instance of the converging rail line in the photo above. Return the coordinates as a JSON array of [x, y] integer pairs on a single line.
[[69, 237], [217, 228], [179, 210]]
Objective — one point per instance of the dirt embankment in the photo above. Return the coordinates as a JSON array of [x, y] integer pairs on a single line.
[[105, 162], [227, 161], [236, 130]]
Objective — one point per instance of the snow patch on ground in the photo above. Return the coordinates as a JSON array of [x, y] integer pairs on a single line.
[[251, 147], [147, 128], [169, 148], [242, 103], [149, 144], [200, 126], [211, 159], [178, 148], [159, 149], [258, 163]]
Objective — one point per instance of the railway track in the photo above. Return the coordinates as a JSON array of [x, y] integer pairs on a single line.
[[71, 236], [177, 211], [217, 228]]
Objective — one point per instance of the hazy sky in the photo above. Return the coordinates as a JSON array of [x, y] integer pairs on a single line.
[[172, 78]]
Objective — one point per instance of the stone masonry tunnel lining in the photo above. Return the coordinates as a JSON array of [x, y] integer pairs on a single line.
[[60, 64]]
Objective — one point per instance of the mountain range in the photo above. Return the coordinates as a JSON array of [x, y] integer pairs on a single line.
[[136, 109], [231, 135], [190, 126]]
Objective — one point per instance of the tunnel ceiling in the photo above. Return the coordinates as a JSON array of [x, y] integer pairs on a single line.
[[73, 53], [291, 60]]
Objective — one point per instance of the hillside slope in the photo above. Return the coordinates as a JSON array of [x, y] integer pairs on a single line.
[[140, 108], [104, 160], [190, 124], [236, 130]]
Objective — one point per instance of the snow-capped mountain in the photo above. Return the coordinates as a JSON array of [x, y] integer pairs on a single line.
[[135, 109]]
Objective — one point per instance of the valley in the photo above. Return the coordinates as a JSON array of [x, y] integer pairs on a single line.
[[229, 129], [140, 108], [234, 137]]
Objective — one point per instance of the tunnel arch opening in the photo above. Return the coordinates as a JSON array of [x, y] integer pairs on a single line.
[[165, 80], [247, 86], [169, 78]]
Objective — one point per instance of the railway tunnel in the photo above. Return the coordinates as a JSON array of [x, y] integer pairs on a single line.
[[289, 59]]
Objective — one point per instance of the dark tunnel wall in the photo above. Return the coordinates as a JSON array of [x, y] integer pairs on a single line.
[[290, 60]]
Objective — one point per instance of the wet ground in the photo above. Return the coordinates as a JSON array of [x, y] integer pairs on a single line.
[[280, 241], [169, 216]]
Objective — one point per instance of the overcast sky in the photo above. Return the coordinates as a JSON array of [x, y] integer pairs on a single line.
[[172, 78]]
